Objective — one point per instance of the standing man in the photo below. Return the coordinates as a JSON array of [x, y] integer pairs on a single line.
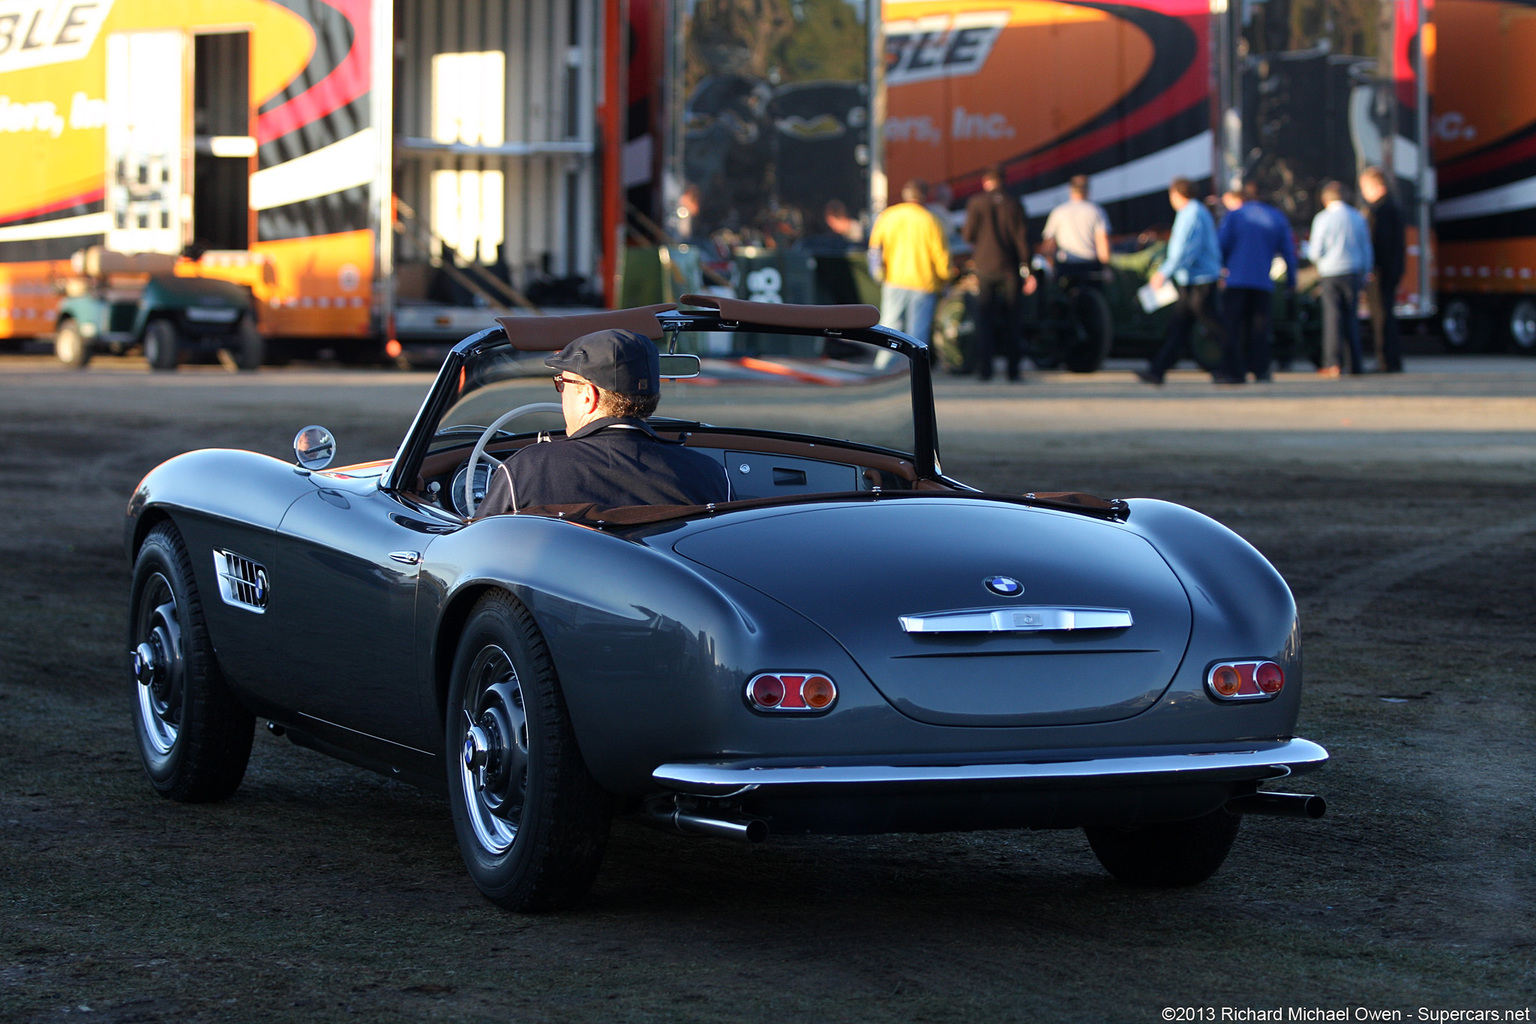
[[1252, 234], [1076, 233], [995, 227], [1341, 252], [915, 261], [1193, 263], [1387, 243]]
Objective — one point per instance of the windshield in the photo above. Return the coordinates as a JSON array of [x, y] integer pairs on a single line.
[[844, 390]]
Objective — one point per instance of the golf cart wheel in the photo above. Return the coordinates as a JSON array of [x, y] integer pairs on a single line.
[[247, 346], [162, 344], [70, 346]]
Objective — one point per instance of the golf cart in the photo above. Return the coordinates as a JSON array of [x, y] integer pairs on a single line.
[[115, 301]]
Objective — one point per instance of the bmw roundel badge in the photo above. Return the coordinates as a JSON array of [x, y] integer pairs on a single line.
[[1004, 586]]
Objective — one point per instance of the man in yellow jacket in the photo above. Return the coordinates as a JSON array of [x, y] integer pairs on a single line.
[[915, 259]]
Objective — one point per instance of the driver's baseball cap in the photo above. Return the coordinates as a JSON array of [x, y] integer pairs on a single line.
[[615, 360]]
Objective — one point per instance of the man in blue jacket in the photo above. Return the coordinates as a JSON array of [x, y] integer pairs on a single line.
[[1193, 264], [1341, 251], [1252, 234]]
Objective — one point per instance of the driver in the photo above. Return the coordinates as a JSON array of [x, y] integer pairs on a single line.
[[609, 382]]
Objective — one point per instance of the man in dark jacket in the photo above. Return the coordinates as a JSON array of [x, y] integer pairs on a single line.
[[994, 225], [609, 382], [1386, 222]]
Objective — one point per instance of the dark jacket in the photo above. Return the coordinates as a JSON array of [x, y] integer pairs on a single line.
[[995, 227], [611, 463], [1387, 240]]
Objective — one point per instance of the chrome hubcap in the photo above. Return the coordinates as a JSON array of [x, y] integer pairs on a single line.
[[159, 666], [494, 766]]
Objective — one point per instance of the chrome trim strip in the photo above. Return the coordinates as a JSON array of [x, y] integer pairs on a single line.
[[1033, 618], [1286, 758]]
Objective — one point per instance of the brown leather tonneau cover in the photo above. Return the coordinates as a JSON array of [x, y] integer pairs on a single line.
[[785, 314], [553, 333], [590, 514]]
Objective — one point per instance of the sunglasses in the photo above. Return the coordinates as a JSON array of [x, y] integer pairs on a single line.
[[561, 381]]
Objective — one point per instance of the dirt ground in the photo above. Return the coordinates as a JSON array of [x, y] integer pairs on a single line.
[[1400, 509]]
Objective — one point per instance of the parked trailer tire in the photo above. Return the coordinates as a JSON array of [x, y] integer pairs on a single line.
[[1522, 326], [1461, 326]]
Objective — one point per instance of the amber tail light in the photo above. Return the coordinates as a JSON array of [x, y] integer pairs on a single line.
[[791, 692], [1228, 681]]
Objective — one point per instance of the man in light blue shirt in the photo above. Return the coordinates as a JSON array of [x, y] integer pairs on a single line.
[[1341, 252], [1193, 264]]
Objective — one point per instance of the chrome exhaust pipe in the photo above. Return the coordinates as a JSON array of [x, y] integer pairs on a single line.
[[674, 819], [1284, 805]]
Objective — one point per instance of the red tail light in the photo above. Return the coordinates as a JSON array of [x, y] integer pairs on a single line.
[[791, 691], [1244, 680]]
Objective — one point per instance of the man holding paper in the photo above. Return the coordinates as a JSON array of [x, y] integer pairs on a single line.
[[1193, 264]]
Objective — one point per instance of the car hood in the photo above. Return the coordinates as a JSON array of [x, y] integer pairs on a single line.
[[857, 571]]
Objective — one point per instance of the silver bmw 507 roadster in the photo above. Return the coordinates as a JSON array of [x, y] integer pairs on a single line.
[[854, 643]]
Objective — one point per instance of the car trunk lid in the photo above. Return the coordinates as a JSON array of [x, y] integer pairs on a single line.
[[918, 592]]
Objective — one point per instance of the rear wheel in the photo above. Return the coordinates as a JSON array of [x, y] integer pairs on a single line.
[[1168, 854], [247, 345], [194, 737], [162, 345], [531, 822], [70, 346]]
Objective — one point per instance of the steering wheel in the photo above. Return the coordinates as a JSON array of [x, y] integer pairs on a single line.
[[485, 437]]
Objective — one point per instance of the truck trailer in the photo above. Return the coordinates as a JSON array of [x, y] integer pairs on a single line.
[[1289, 93], [287, 146], [1484, 136]]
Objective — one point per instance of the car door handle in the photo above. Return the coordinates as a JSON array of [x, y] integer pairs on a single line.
[[1026, 619], [406, 557]]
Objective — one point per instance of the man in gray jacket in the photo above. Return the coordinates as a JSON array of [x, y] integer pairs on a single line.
[[1341, 252]]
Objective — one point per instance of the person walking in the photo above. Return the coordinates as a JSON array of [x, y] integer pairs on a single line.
[[995, 228], [1251, 235], [914, 259], [1193, 264], [1385, 220], [1341, 252]]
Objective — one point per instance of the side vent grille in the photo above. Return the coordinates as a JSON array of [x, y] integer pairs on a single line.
[[242, 583]]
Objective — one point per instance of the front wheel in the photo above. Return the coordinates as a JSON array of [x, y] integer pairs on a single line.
[[194, 736], [1168, 854], [70, 346], [530, 820]]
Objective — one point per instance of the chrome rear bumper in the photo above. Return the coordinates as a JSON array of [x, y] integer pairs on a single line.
[[1288, 757]]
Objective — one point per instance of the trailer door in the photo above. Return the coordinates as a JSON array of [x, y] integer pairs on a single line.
[[145, 110]]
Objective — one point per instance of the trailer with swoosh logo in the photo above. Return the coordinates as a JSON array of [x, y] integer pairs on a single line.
[[1287, 93], [286, 146]]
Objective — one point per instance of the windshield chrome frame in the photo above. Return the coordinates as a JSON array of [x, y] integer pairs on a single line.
[[925, 454]]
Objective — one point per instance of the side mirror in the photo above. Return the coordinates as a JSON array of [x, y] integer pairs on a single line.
[[679, 366], [314, 448]]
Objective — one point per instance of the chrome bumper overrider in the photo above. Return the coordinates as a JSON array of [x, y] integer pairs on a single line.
[[1289, 757]]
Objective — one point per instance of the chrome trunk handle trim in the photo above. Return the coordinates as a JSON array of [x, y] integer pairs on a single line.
[[1021, 619]]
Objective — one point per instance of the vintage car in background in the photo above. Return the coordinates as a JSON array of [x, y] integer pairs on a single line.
[[1076, 324], [856, 643]]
